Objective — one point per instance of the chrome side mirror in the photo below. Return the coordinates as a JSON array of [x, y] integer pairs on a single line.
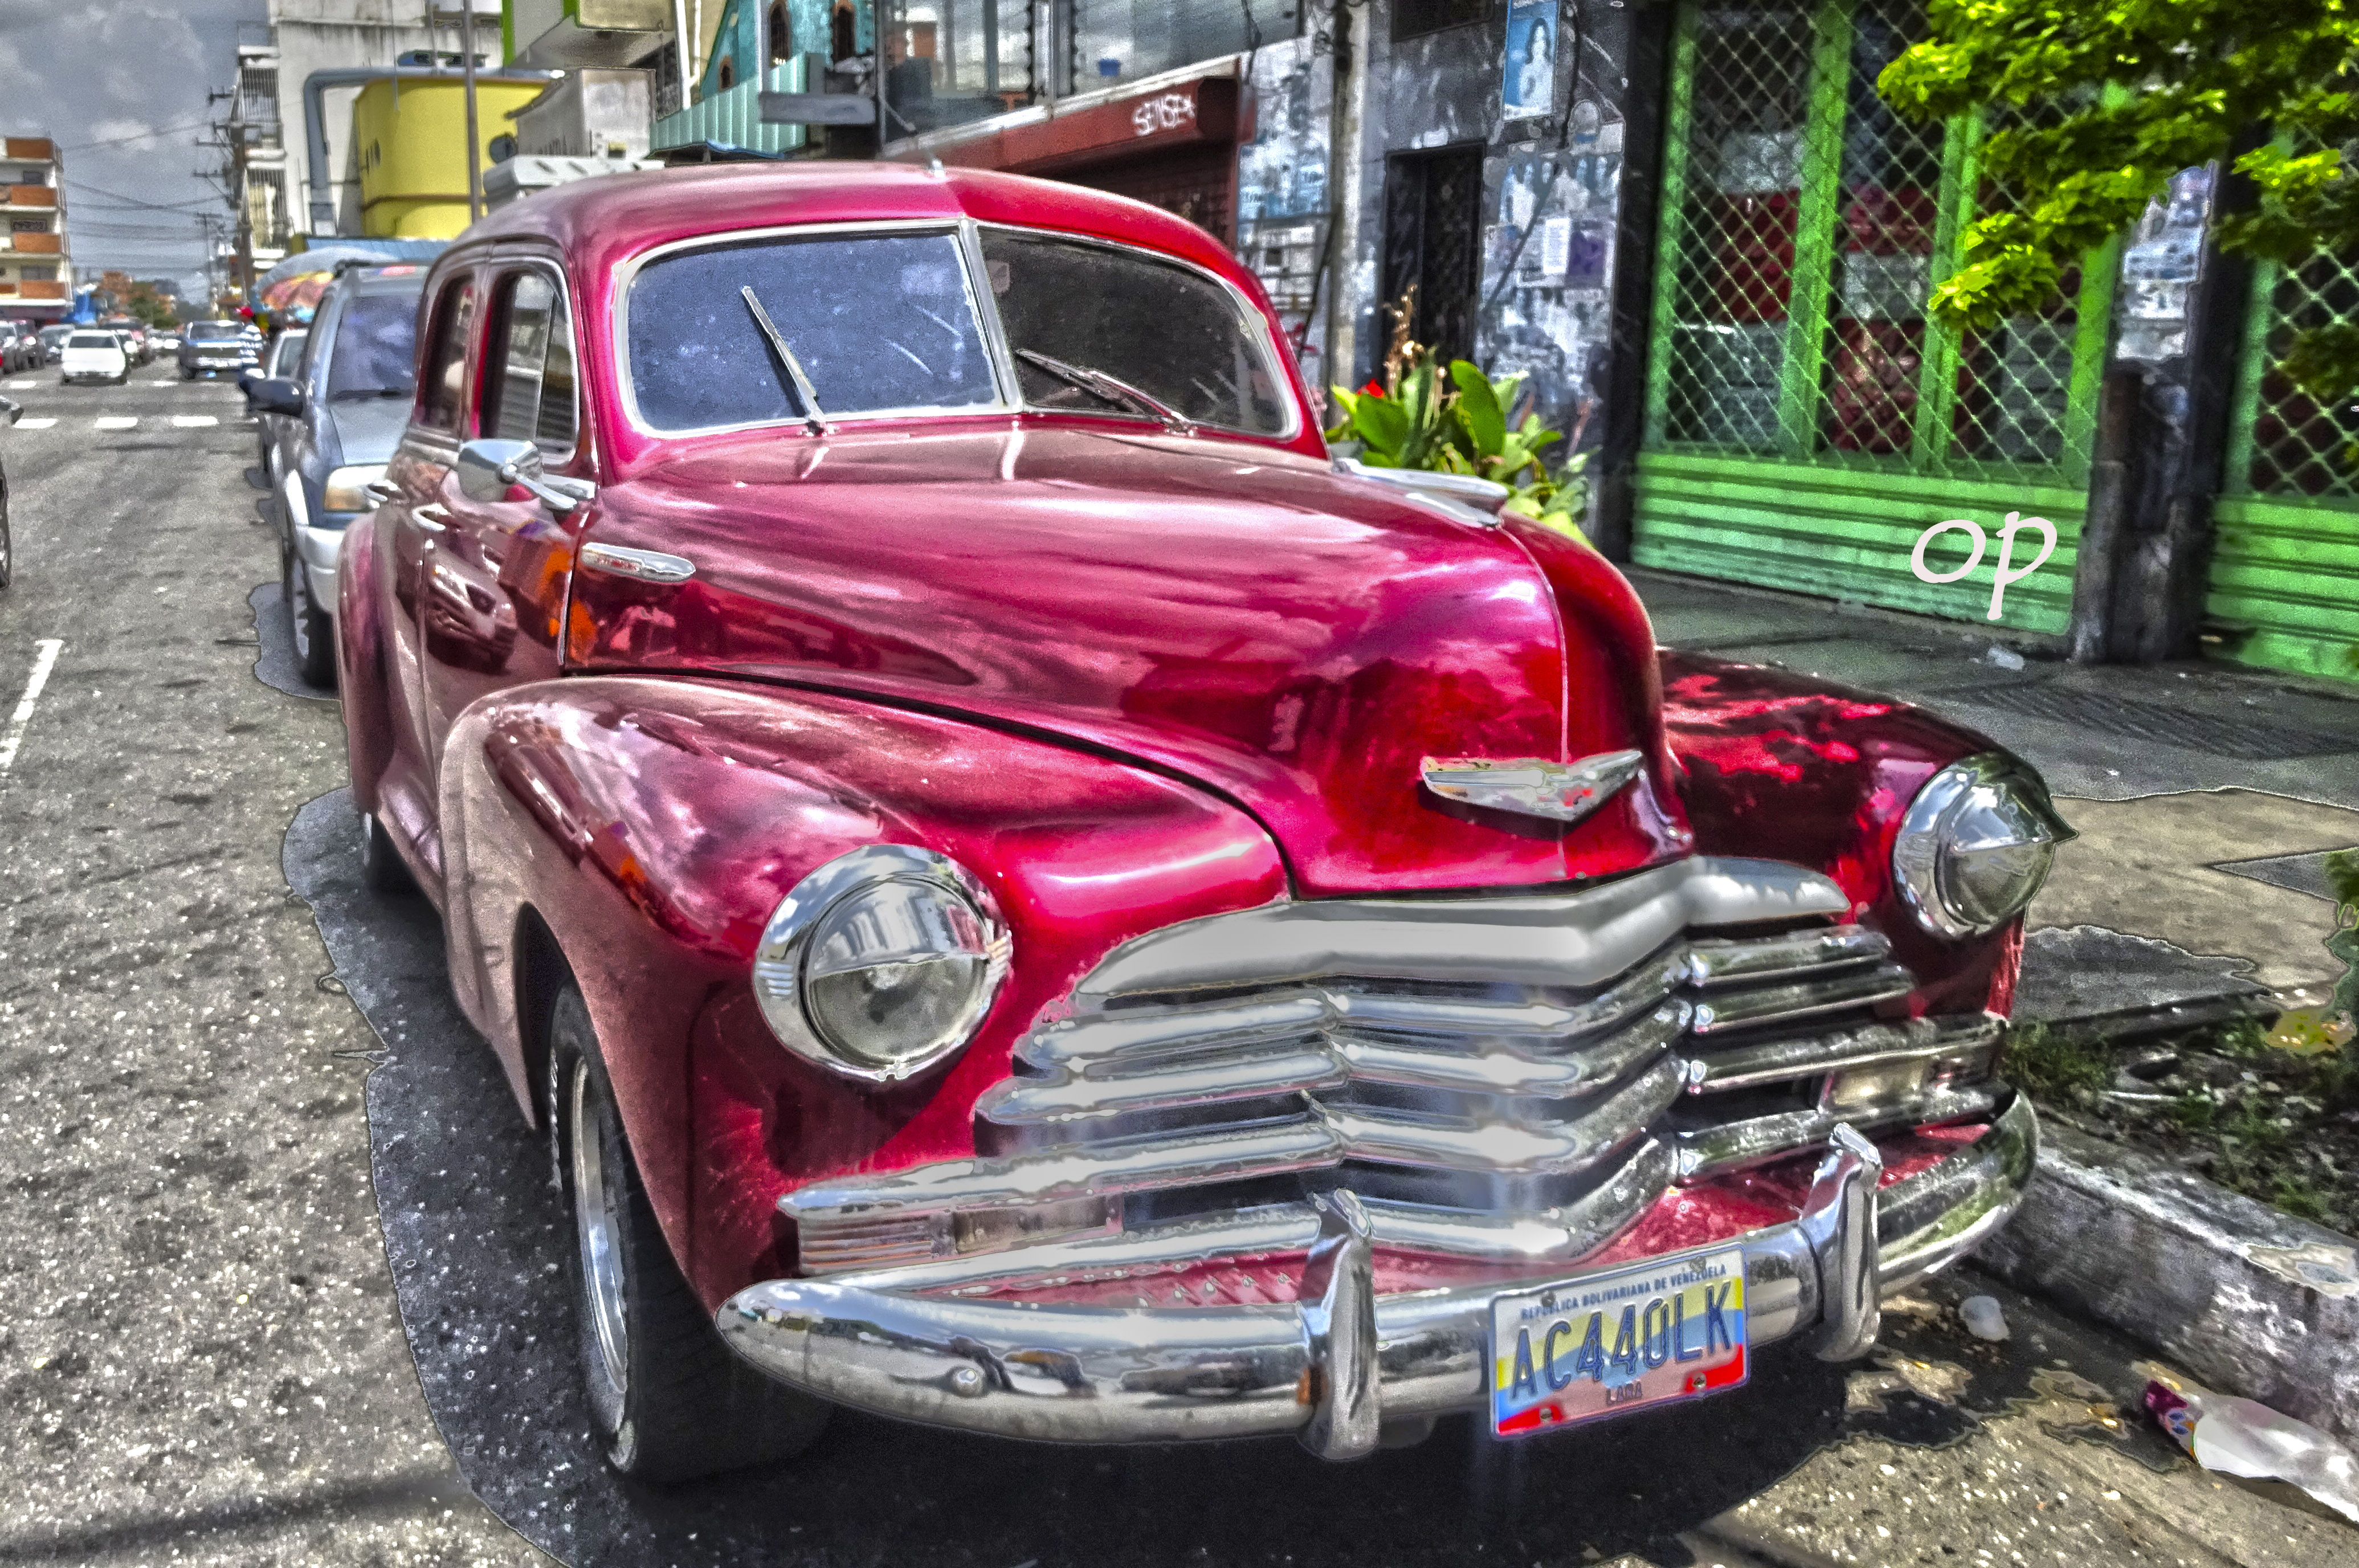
[[487, 467], [278, 395]]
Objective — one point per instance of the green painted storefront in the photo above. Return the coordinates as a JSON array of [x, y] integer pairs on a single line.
[[1803, 424], [2284, 557]]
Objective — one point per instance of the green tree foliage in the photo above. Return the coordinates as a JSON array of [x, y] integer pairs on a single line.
[[2126, 93]]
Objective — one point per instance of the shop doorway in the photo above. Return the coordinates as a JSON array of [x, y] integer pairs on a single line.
[[1433, 228]]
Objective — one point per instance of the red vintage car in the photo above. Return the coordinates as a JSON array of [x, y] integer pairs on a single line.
[[1027, 897]]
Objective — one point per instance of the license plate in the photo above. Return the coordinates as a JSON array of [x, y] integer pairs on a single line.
[[1657, 1331]]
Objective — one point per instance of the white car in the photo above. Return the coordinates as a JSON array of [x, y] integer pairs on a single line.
[[94, 355]]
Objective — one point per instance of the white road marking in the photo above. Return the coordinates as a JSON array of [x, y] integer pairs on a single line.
[[35, 424], [193, 421], [167, 381], [117, 421], [19, 385], [24, 715]]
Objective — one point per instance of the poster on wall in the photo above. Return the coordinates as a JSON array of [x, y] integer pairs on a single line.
[[1282, 194], [1528, 88]]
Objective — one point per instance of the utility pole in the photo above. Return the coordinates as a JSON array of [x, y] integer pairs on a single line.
[[475, 146], [233, 133]]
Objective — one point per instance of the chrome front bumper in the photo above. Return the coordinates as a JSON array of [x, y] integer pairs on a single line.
[[1335, 1368]]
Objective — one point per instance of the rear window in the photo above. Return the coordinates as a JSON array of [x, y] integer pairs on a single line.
[[215, 332], [375, 351], [93, 340]]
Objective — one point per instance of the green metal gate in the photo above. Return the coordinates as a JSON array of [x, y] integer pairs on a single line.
[[2285, 561], [1804, 425]]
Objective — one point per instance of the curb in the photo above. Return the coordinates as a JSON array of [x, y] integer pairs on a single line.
[[2251, 1300]]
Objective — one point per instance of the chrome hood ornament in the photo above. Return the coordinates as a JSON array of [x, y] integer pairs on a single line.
[[1532, 786]]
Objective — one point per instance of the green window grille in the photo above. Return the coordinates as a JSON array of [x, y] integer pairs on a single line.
[[1804, 421], [2285, 562]]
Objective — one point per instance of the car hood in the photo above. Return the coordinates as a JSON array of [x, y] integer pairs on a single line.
[[1293, 640], [368, 428]]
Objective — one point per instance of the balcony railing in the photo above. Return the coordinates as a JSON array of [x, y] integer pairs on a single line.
[[734, 118], [34, 244], [36, 289], [32, 196]]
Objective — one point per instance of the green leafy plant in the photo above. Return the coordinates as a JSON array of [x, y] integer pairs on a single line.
[[2343, 880], [2121, 95], [1455, 420]]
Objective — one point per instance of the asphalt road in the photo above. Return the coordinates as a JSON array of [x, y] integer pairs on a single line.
[[279, 1263]]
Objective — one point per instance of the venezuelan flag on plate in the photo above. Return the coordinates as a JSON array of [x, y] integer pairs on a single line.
[[1666, 1329]]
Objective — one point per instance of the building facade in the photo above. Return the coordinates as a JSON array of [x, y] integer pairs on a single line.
[[36, 262], [347, 38]]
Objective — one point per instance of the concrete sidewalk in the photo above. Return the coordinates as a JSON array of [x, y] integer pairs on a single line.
[[2206, 798]]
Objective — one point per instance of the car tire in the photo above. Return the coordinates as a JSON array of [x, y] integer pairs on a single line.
[[187, 375], [382, 867], [7, 545], [314, 630], [668, 1398]]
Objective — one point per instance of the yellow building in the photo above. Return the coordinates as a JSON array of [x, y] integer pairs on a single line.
[[410, 138]]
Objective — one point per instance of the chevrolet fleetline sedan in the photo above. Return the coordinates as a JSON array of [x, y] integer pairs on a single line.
[[1027, 897]]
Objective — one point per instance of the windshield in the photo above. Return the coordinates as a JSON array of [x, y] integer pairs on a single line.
[[874, 321], [214, 331], [1093, 328], [376, 349]]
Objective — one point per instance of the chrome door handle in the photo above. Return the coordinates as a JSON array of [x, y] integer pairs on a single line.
[[431, 517], [647, 565]]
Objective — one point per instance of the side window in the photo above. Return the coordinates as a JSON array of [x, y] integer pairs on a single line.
[[528, 391], [444, 382]]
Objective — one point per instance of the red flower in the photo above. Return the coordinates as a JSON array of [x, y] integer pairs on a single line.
[[1375, 388]]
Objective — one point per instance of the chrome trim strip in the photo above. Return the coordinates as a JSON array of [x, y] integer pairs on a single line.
[[1587, 937], [1720, 1013], [1503, 1069], [1339, 1335], [1714, 962], [1019, 1181], [1036, 1102], [1561, 1235], [1504, 1147], [1733, 1146], [1867, 1046]]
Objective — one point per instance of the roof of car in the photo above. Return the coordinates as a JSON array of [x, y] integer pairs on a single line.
[[611, 216]]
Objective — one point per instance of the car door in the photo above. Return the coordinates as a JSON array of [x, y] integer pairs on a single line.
[[411, 525], [491, 603]]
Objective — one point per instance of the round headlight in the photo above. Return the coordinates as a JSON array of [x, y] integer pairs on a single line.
[[881, 963], [1975, 845]]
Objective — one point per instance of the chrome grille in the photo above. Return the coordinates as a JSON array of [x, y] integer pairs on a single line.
[[1509, 1077]]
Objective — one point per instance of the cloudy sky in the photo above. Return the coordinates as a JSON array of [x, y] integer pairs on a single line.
[[120, 86]]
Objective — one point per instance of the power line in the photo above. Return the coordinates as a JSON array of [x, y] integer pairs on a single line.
[[133, 200], [142, 137]]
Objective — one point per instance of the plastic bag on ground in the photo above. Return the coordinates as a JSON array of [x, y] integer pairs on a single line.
[[2238, 1437]]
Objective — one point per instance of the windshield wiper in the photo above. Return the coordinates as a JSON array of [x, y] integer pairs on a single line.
[[1112, 389], [803, 391]]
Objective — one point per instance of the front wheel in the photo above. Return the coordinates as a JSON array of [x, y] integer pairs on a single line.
[[382, 867], [314, 630], [668, 1400], [8, 546]]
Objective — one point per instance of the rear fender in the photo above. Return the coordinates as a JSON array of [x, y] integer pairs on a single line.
[[655, 824]]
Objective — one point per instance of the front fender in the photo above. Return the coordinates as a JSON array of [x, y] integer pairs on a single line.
[[654, 825], [1789, 767]]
